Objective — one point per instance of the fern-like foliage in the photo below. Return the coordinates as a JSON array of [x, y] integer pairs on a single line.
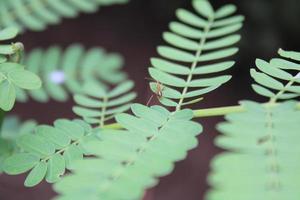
[[97, 104], [7, 49], [12, 129], [14, 77], [37, 14], [129, 161], [196, 44], [49, 151], [279, 78], [66, 71], [262, 162]]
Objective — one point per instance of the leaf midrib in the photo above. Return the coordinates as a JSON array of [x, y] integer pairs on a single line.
[[121, 169], [194, 64]]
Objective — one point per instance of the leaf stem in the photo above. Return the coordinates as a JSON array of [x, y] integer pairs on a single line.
[[103, 111], [271, 152], [286, 87], [2, 116], [194, 64], [211, 112]]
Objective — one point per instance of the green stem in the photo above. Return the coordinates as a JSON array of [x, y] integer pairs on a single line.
[[194, 64], [286, 87], [220, 111], [102, 119], [113, 126], [2, 115], [271, 152], [211, 112]]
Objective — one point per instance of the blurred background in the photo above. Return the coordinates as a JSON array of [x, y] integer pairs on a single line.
[[134, 30]]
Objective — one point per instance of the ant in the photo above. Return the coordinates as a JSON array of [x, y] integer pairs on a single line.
[[158, 93]]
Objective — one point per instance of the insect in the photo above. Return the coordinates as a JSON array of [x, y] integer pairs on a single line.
[[263, 139], [158, 90]]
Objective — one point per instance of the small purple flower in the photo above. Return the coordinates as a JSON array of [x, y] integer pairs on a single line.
[[57, 77]]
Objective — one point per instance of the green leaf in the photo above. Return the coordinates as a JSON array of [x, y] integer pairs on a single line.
[[266, 80], [289, 54], [180, 42], [121, 89], [246, 137], [7, 95], [272, 74], [36, 175], [190, 18], [204, 8], [186, 31], [98, 107], [194, 47], [36, 145], [154, 136], [70, 129], [56, 168], [8, 33], [272, 71], [20, 163], [166, 78], [218, 54], [72, 154], [6, 49], [207, 82], [55, 136], [262, 91], [25, 79], [169, 67], [175, 54], [223, 42], [226, 30], [40, 14], [10, 67], [229, 21], [17, 78], [284, 64], [225, 11], [69, 71], [213, 68], [46, 151]]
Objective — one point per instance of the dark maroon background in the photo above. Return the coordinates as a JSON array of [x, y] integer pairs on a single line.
[[135, 30]]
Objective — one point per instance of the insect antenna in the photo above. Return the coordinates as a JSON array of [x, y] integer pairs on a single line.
[[150, 99]]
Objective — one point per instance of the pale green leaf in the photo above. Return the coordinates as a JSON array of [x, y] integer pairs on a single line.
[[53, 135], [36, 175], [56, 168], [190, 18], [169, 67], [175, 54], [36, 145], [272, 71], [8, 33], [289, 54], [20, 163], [185, 30], [225, 11], [7, 95], [166, 78], [180, 42], [266, 80], [204, 8], [25, 79], [73, 130]]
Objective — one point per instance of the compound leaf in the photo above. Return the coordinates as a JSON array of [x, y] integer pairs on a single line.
[[200, 43]]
